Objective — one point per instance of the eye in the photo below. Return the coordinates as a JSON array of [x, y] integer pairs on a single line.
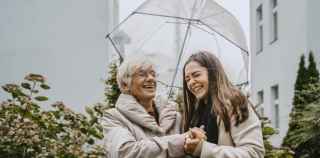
[[154, 74], [187, 79], [141, 74], [197, 74]]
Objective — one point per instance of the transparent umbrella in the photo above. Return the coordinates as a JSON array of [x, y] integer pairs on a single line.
[[169, 31]]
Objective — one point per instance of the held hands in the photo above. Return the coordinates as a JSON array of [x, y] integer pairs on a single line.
[[194, 137]]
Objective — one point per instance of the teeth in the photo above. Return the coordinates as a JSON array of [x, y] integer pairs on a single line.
[[196, 89]]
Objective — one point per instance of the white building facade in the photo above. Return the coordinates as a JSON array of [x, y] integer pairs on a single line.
[[62, 40], [281, 31]]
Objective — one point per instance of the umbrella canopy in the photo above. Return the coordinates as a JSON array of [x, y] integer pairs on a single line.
[[169, 31]]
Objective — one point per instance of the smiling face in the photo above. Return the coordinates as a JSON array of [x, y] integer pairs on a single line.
[[196, 77], [143, 83]]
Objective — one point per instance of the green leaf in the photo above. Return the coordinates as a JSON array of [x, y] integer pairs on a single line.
[[10, 88], [95, 133], [35, 78], [89, 111], [91, 141], [83, 130], [45, 86], [26, 85], [41, 98], [268, 131], [93, 120], [35, 91]]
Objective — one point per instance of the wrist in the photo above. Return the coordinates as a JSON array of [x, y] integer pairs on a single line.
[[197, 151]]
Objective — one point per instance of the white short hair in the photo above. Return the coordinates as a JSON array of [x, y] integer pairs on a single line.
[[129, 66]]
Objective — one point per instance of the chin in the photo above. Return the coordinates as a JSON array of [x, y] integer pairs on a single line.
[[200, 96], [150, 95]]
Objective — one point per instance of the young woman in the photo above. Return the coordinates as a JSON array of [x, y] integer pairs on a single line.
[[231, 129]]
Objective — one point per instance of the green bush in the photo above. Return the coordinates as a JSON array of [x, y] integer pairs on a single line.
[[28, 130]]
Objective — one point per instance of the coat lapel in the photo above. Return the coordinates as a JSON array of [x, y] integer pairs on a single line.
[[128, 106]]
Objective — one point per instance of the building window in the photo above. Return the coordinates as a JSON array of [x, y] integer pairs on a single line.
[[275, 106], [259, 29], [260, 97], [260, 100], [274, 20], [275, 92], [277, 117]]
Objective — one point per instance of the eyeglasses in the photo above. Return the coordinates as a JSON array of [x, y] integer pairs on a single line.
[[146, 73]]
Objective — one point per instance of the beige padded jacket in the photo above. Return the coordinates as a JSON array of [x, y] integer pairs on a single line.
[[244, 141], [130, 132]]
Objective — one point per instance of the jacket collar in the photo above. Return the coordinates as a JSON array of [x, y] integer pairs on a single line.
[[128, 106]]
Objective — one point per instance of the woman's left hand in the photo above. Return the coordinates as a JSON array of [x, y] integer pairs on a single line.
[[191, 145], [196, 136]]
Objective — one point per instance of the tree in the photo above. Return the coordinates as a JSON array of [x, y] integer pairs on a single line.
[[111, 93], [305, 140], [309, 145], [312, 71], [272, 152], [112, 90], [301, 81], [304, 123], [298, 103], [312, 92], [27, 130]]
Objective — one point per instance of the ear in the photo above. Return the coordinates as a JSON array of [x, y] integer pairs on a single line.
[[125, 87]]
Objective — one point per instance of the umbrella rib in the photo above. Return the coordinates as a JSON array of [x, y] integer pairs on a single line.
[[243, 83], [210, 33], [115, 28], [116, 48], [167, 16], [163, 83], [169, 22], [151, 35], [225, 37], [179, 59], [212, 15]]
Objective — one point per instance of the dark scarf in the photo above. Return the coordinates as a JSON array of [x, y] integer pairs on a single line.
[[205, 116], [209, 120]]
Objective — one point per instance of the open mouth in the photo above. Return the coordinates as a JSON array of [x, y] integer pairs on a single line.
[[196, 89], [151, 86]]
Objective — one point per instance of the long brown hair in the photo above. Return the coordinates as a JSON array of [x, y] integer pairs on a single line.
[[225, 98]]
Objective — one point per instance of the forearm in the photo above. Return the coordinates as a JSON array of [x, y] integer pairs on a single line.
[[127, 146], [210, 150]]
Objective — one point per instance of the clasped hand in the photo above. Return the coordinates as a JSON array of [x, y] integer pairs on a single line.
[[194, 137]]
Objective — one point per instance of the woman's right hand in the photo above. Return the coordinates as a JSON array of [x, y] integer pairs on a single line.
[[198, 133], [194, 137]]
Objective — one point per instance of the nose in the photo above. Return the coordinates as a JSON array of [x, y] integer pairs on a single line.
[[191, 82], [150, 77]]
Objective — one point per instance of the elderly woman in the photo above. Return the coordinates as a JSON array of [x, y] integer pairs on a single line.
[[139, 126]]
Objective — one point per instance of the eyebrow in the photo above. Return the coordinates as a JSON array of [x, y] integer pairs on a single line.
[[193, 73]]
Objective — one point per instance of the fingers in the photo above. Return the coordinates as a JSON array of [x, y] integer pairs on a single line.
[[193, 137], [192, 141], [198, 133], [190, 145]]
